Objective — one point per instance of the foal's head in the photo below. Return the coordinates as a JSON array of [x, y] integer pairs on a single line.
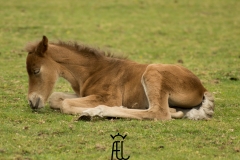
[[42, 73]]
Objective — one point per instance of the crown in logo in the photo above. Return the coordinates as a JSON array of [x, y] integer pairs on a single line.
[[123, 137]]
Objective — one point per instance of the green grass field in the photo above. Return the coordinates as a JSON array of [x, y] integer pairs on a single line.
[[203, 34]]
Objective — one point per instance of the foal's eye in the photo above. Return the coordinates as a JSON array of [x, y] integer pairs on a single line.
[[36, 71]]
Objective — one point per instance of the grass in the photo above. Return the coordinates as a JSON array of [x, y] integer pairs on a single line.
[[204, 35]]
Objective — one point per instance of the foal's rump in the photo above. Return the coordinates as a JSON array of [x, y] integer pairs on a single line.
[[185, 92], [184, 88]]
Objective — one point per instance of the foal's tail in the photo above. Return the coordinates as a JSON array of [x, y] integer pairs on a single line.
[[204, 111]]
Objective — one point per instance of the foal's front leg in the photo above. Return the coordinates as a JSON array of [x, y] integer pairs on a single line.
[[78, 105], [56, 99]]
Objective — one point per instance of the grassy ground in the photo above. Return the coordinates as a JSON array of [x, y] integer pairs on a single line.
[[203, 34]]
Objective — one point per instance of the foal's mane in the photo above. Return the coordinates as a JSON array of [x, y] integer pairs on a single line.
[[84, 49], [80, 48]]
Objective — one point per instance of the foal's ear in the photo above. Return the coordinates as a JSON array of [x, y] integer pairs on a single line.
[[42, 47]]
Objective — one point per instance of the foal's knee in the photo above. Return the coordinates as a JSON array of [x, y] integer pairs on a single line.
[[55, 100], [65, 106]]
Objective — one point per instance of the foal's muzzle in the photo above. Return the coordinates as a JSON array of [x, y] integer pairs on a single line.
[[35, 101], [34, 106]]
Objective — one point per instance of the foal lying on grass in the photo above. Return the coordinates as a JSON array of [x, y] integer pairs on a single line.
[[103, 84]]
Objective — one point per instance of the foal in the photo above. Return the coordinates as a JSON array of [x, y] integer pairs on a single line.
[[103, 84]]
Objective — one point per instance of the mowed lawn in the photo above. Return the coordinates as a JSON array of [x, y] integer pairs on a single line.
[[202, 35]]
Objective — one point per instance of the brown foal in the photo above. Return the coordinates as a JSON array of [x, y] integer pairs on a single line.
[[109, 86]]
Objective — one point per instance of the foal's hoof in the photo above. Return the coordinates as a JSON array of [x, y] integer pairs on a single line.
[[85, 118]]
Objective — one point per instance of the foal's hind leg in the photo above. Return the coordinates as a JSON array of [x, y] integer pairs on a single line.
[[156, 92], [56, 99]]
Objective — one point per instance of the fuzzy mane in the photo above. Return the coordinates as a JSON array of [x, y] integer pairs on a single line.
[[80, 48], [83, 49]]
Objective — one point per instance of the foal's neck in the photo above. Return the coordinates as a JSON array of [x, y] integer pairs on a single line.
[[75, 67]]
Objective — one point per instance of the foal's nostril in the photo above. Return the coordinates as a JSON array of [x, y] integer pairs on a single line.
[[30, 103]]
